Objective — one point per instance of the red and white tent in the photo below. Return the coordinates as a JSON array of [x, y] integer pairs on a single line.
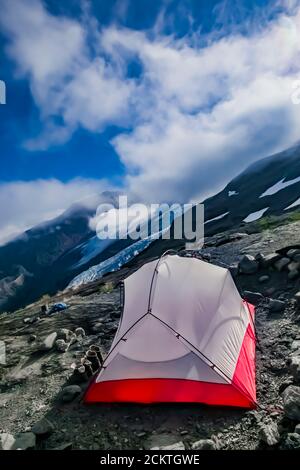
[[185, 335]]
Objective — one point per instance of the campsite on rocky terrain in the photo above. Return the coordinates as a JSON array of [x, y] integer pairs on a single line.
[[149, 232], [41, 400]]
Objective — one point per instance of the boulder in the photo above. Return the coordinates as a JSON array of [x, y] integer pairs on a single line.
[[264, 278], [259, 257], [31, 338], [64, 334], [297, 429], [164, 441], [292, 441], [295, 345], [176, 446], [293, 252], [67, 335], [204, 444], [293, 266], [7, 441], [297, 298], [97, 327], [294, 366], [43, 428], [285, 384], [269, 433], [61, 345], [270, 260], [48, 342], [70, 392], [79, 332], [276, 306], [291, 402], [293, 275], [25, 441], [253, 297], [248, 265], [282, 263]]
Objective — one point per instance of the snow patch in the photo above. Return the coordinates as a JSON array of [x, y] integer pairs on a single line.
[[217, 218], [232, 193], [279, 186], [294, 204], [255, 215]]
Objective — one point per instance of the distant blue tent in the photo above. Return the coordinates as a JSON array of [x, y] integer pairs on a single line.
[[58, 307]]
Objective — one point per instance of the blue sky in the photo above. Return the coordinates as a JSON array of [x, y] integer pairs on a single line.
[[165, 99]]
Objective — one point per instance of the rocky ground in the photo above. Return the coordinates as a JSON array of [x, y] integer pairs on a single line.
[[38, 409]]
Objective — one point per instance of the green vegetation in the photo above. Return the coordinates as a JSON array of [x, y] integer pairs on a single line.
[[272, 221], [107, 288]]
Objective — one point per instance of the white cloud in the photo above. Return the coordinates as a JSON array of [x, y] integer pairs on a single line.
[[199, 113], [213, 110], [25, 204], [66, 80]]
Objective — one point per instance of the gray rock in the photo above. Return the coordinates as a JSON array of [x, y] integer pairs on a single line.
[[297, 429], [176, 446], [293, 252], [285, 384], [97, 327], [164, 441], [31, 338], [293, 274], [259, 257], [48, 342], [79, 332], [293, 266], [253, 297], [61, 345], [264, 278], [269, 433], [64, 446], [64, 334], [282, 263], [294, 366], [25, 441], [292, 441], [43, 428], [70, 392], [270, 260], [7, 441], [248, 265], [297, 298], [204, 444], [291, 402], [276, 305], [295, 345]]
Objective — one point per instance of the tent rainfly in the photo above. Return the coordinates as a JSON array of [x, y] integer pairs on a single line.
[[185, 335]]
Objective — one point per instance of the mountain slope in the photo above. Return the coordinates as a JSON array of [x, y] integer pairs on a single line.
[[244, 195], [243, 200], [44, 259]]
